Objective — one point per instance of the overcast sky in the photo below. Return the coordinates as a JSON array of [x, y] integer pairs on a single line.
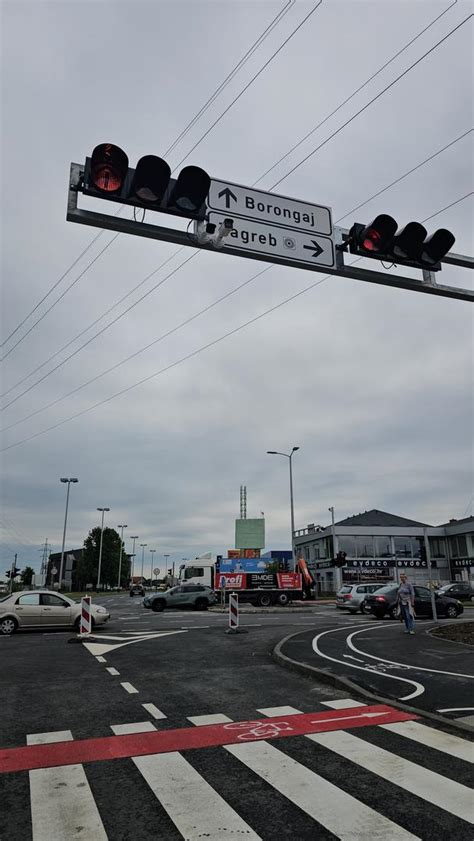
[[373, 384]]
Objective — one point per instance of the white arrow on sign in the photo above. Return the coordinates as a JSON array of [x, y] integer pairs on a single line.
[[294, 246], [237, 200]]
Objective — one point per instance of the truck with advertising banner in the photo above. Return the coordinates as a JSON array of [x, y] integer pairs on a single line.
[[254, 579]]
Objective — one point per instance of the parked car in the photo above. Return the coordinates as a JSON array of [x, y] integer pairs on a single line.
[[44, 609], [184, 595], [462, 590], [351, 596], [384, 602], [137, 590]]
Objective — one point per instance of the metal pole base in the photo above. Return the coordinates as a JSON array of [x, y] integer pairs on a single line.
[[236, 631]]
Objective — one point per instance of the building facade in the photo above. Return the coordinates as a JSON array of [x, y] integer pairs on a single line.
[[377, 545]]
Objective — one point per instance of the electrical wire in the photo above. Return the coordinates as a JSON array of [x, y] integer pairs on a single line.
[[93, 323], [371, 101], [252, 80], [378, 193], [231, 75], [106, 327], [354, 93], [221, 87], [94, 260], [189, 355], [448, 206], [324, 142]]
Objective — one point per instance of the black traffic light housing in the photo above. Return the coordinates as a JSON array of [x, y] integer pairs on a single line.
[[107, 175], [408, 246], [341, 559], [12, 573]]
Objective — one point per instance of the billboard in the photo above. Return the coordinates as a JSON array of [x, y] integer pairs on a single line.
[[250, 534]]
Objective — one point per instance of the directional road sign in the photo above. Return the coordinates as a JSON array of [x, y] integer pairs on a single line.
[[294, 246], [237, 200]]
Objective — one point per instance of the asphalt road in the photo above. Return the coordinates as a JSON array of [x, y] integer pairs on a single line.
[[148, 671], [424, 671]]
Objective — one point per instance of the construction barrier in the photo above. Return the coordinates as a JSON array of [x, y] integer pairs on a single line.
[[233, 611], [86, 622]]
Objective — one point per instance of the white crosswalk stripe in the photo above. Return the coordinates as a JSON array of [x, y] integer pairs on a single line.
[[62, 799]]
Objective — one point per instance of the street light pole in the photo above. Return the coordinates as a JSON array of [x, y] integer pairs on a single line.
[[289, 456], [143, 556], [61, 566], [100, 547], [133, 537], [152, 552], [333, 531], [121, 550]]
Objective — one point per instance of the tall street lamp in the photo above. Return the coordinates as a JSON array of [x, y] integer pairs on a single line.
[[143, 556], [292, 507], [121, 550], [133, 537], [61, 566], [152, 552], [101, 541]]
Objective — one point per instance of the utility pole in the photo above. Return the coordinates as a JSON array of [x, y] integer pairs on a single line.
[[428, 561], [44, 562], [12, 573], [120, 526]]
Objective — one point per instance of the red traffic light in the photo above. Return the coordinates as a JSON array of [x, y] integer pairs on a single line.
[[151, 178], [109, 166], [378, 235]]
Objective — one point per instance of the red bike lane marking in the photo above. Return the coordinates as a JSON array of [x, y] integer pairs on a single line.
[[185, 738]]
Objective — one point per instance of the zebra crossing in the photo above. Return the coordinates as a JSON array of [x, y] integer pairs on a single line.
[[347, 785]]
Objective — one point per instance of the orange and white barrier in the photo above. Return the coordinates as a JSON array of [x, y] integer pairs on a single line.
[[86, 622]]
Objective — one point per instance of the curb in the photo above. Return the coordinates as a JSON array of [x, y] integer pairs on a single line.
[[345, 683]]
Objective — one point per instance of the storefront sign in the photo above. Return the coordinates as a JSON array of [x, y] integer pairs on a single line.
[[352, 576], [459, 563]]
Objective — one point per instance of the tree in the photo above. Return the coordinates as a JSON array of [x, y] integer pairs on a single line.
[[27, 576], [88, 565]]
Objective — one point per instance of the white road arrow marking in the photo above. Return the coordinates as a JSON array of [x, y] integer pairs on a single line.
[[351, 717], [97, 648]]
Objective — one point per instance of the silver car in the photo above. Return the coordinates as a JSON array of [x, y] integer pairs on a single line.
[[351, 596], [44, 609]]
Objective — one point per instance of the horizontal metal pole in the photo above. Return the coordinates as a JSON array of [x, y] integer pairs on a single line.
[[143, 229]]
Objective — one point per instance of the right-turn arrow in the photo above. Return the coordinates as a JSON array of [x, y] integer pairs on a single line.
[[315, 247]]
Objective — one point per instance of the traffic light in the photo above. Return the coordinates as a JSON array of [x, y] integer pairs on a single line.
[[409, 246], [13, 572], [341, 559], [107, 175]]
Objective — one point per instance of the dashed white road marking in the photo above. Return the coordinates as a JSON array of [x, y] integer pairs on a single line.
[[129, 688], [201, 720], [154, 711], [274, 712], [101, 659], [133, 727], [112, 671]]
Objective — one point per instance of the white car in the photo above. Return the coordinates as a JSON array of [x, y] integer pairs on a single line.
[[44, 609]]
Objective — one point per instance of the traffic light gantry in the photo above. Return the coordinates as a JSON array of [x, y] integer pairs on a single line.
[[107, 175]]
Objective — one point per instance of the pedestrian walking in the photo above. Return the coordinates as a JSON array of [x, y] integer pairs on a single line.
[[406, 603]]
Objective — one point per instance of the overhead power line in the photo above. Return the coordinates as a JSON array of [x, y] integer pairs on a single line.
[[252, 80], [374, 99], [189, 355], [324, 142], [221, 87], [233, 73], [106, 327], [94, 260], [354, 93]]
